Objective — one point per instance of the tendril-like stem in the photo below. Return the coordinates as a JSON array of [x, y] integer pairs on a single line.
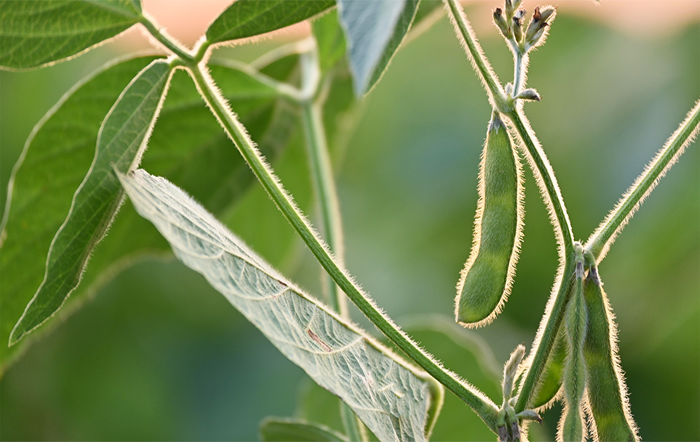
[[599, 243]]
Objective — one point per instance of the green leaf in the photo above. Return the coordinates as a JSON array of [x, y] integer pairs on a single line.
[[120, 145], [274, 429], [387, 396], [374, 30], [35, 33], [400, 31], [187, 145], [247, 18], [55, 159]]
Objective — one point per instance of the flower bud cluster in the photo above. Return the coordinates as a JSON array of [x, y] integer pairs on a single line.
[[510, 21]]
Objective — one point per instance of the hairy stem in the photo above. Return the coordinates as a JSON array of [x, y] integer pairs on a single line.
[[519, 73], [167, 40], [599, 243], [547, 335], [322, 173], [483, 406], [546, 180], [476, 55]]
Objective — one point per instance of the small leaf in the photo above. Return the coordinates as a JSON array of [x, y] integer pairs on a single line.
[[35, 33], [274, 429], [247, 18], [120, 144], [391, 399]]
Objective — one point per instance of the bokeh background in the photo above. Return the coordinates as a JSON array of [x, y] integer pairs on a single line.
[[159, 355]]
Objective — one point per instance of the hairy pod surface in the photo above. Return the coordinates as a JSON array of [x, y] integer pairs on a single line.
[[572, 425], [551, 377], [487, 277], [607, 393]]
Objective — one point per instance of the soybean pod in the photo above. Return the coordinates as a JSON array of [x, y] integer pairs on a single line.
[[551, 378], [486, 280], [607, 393], [572, 427]]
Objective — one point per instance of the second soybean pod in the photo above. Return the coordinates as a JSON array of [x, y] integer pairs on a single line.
[[487, 277], [572, 426], [607, 394]]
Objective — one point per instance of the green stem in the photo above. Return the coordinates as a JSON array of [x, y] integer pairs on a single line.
[[546, 180], [483, 406], [322, 173], [519, 73], [599, 243], [284, 90], [167, 41], [476, 55], [545, 339]]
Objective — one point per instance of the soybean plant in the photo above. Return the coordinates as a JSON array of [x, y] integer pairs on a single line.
[[395, 395]]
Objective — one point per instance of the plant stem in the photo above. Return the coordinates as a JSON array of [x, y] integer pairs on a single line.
[[483, 406], [600, 241], [519, 73], [166, 40], [545, 340], [322, 173], [476, 55], [546, 181], [560, 219], [284, 90]]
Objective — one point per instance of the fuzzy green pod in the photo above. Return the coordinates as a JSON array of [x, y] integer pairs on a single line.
[[607, 393], [551, 377], [487, 278], [572, 427]]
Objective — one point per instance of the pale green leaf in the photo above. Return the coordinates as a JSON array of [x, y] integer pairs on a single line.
[[386, 395], [247, 18], [374, 31], [34, 33], [120, 144], [187, 145], [275, 429], [460, 349]]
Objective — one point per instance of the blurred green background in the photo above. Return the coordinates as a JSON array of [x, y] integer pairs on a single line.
[[159, 355]]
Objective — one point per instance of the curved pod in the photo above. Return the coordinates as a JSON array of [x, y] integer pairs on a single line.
[[487, 277]]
